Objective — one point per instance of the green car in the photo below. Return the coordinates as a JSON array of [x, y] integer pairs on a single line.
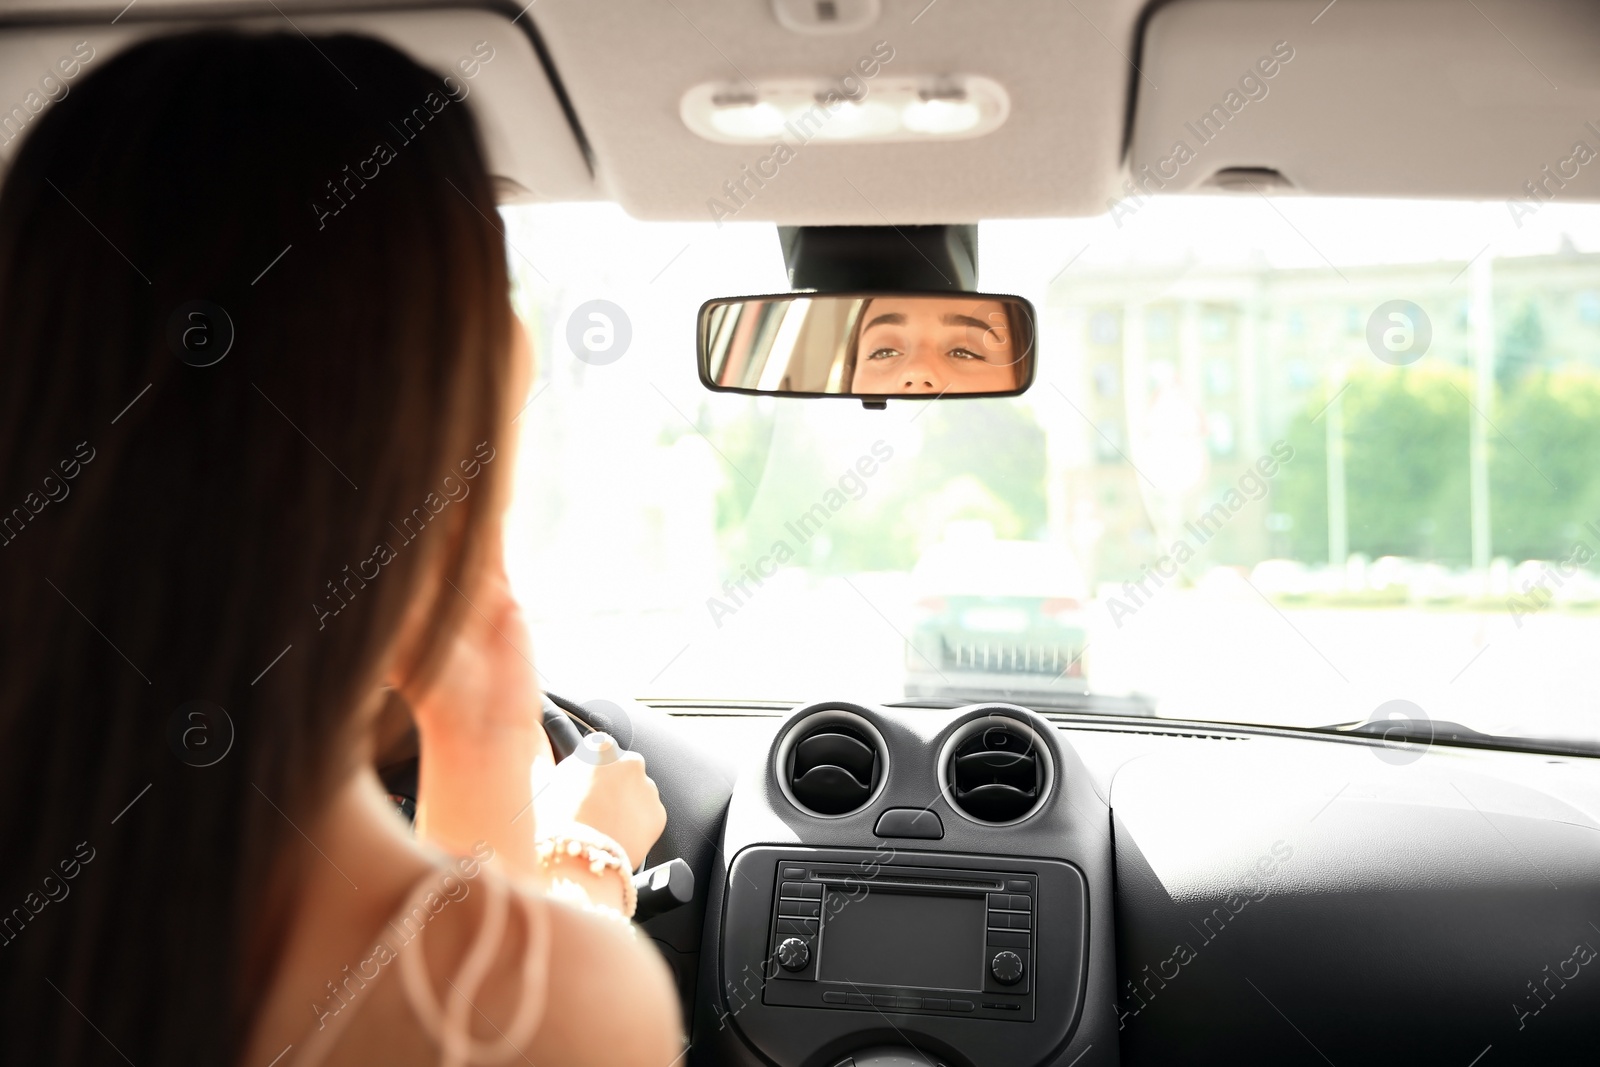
[[998, 620]]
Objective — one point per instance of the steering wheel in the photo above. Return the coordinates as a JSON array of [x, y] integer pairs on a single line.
[[660, 888]]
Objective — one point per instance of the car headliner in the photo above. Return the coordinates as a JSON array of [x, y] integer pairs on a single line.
[[1411, 98]]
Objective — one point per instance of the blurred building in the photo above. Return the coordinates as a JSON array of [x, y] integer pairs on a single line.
[[1240, 351]]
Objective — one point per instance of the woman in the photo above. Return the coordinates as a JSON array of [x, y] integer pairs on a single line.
[[258, 368], [937, 345]]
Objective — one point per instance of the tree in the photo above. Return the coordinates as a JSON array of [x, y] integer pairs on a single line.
[[1521, 349], [1544, 481], [1407, 466], [978, 459]]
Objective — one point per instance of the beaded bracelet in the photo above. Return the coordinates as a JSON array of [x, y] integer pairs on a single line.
[[598, 852]]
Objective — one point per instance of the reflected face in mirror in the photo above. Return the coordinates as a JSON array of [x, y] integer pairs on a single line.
[[934, 345], [869, 344]]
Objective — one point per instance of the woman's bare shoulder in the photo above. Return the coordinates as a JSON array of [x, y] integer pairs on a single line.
[[561, 984], [611, 996]]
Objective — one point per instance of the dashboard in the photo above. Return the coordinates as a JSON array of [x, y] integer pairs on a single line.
[[961, 858], [989, 886]]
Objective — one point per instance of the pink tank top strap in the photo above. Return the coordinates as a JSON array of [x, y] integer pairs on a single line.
[[449, 1025]]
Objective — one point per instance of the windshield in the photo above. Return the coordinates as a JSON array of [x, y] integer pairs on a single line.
[[1285, 461]]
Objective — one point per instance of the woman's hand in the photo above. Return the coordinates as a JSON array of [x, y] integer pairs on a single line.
[[487, 686], [618, 799], [482, 745], [480, 731]]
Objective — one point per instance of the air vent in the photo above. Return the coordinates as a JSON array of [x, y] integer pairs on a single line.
[[996, 770], [832, 764]]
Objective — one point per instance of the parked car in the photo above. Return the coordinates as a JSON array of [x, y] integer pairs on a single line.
[[997, 620]]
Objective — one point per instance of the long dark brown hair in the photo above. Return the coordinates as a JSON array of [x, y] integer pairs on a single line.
[[180, 532]]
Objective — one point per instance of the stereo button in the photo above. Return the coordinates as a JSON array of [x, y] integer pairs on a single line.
[[961, 1005], [831, 997], [1008, 938], [910, 822], [802, 890], [936, 1003], [793, 954], [1006, 968], [799, 909], [1019, 885]]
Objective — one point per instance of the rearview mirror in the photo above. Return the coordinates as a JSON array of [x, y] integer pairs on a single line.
[[870, 345]]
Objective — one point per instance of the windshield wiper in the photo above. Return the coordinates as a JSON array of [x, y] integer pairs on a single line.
[[1444, 732], [1412, 730]]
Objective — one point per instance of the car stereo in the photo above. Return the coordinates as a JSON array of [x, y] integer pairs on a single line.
[[913, 940]]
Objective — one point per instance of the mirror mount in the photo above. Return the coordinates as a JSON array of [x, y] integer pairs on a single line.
[[833, 259]]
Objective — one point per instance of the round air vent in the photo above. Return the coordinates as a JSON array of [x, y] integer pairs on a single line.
[[996, 770], [832, 763]]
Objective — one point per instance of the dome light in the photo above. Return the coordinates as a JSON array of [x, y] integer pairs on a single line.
[[882, 110], [941, 116], [748, 120]]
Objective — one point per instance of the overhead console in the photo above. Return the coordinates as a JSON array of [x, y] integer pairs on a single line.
[[914, 889]]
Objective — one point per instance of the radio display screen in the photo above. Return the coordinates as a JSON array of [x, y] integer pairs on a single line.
[[904, 939]]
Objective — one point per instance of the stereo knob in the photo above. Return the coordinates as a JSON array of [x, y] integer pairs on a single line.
[[793, 955], [1006, 968]]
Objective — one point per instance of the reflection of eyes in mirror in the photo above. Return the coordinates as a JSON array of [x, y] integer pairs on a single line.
[[868, 344], [922, 345]]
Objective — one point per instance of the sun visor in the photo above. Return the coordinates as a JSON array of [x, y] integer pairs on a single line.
[[533, 149], [1430, 98]]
